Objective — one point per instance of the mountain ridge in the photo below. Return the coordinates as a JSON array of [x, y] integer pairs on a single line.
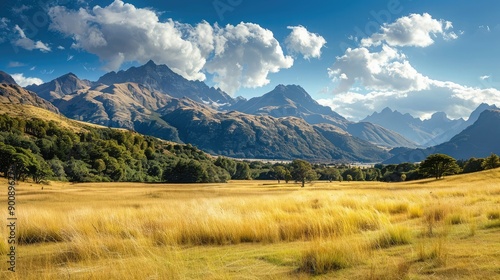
[[477, 140]]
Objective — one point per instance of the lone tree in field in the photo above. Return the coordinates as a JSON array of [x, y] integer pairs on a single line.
[[302, 171], [438, 165]]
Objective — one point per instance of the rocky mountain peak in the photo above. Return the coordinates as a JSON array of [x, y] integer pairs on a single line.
[[6, 79]]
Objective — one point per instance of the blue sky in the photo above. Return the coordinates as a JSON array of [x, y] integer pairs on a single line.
[[355, 56]]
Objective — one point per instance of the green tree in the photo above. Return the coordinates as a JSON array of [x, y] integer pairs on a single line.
[[332, 174], [491, 162], [348, 178], [438, 165], [280, 172], [473, 165], [243, 171], [403, 177], [77, 170], [302, 171]]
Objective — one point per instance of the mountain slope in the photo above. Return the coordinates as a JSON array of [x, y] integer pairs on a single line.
[[163, 79], [59, 87], [15, 94], [294, 101], [454, 130], [126, 105], [6, 79], [290, 101], [243, 135], [478, 140], [378, 135]]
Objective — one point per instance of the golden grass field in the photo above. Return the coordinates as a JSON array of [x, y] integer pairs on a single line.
[[445, 229]]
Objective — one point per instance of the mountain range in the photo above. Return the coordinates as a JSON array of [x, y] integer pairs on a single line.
[[434, 131], [285, 123], [477, 140]]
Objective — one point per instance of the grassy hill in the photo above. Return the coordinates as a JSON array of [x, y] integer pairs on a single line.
[[429, 229]]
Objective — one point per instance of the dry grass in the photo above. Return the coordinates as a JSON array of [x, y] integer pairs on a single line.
[[259, 230]]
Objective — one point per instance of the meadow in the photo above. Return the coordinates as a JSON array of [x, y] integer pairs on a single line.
[[429, 229]]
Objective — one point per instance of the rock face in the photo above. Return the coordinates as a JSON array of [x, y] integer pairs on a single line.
[[15, 94], [478, 140], [161, 78], [60, 87]]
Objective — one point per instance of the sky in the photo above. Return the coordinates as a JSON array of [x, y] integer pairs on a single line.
[[417, 57]]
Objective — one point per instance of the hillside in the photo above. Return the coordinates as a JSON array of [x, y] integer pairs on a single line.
[[59, 87], [294, 101], [128, 105], [243, 135], [6, 79], [15, 94], [478, 140]]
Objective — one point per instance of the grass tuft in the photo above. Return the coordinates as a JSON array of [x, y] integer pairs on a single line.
[[392, 236], [323, 257]]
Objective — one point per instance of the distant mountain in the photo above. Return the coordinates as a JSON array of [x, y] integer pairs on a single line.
[[15, 94], [237, 134], [378, 135], [163, 79], [60, 87], [127, 105], [426, 133], [478, 140], [449, 131], [287, 101], [6, 79], [294, 101]]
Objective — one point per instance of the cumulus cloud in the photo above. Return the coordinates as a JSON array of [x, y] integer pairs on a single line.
[[303, 42], [389, 80], [413, 30], [28, 44], [26, 81], [387, 69], [238, 56], [121, 32], [245, 54]]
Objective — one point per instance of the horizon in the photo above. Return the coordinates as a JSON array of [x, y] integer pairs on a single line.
[[356, 57]]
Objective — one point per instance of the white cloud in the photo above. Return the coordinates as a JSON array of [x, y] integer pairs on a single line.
[[387, 69], [16, 64], [70, 57], [238, 56], [245, 54], [486, 28], [413, 30], [485, 77], [121, 32], [26, 81], [60, 48], [27, 43], [389, 80], [4, 22], [304, 42]]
